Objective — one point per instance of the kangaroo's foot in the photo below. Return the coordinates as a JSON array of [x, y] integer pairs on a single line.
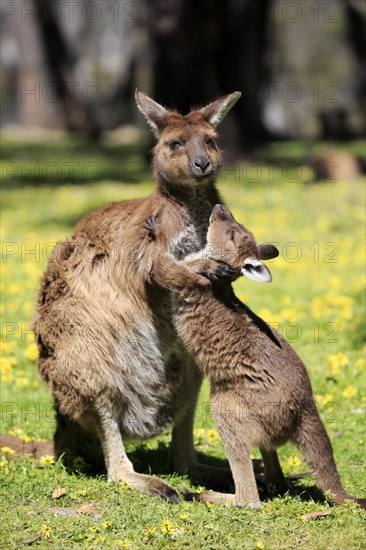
[[150, 485], [213, 497], [120, 468]]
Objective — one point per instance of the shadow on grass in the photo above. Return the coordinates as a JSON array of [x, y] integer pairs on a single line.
[[72, 162], [155, 462]]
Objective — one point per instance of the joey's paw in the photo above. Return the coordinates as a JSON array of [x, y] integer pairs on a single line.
[[153, 227], [221, 272]]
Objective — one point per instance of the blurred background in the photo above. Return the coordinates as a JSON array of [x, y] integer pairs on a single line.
[[73, 65], [294, 148]]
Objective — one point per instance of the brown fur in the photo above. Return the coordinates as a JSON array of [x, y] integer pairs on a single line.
[[261, 394], [108, 347]]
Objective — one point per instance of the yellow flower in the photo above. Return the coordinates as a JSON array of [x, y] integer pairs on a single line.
[[15, 288], [46, 531], [125, 485], [210, 527], [31, 352], [124, 543], [212, 435], [184, 517], [294, 461], [336, 362], [167, 527], [14, 305], [16, 432], [360, 363], [8, 347], [25, 438], [47, 460], [149, 532], [7, 362], [259, 545], [350, 391], [106, 524], [20, 382], [327, 399], [7, 451], [4, 466], [198, 432]]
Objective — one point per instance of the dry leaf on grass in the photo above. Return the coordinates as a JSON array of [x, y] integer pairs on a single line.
[[59, 492]]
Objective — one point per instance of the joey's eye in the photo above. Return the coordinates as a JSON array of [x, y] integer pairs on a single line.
[[174, 144], [210, 142], [232, 235]]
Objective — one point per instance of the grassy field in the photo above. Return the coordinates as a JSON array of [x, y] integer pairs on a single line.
[[315, 300]]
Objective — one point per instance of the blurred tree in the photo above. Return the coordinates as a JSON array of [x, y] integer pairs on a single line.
[[60, 61], [356, 14], [185, 53], [198, 45]]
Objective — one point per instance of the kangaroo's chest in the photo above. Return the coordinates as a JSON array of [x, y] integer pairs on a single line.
[[188, 240]]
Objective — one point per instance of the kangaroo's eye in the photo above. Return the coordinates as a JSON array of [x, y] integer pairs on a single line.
[[210, 142], [174, 144], [232, 235]]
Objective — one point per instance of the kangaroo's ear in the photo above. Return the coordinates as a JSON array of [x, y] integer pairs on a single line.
[[255, 270], [267, 251], [153, 112], [216, 111]]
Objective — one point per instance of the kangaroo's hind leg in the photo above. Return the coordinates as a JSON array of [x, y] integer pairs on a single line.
[[236, 432], [246, 492], [273, 471], [119, 467]]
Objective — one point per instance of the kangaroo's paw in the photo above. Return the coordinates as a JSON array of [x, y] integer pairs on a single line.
[[222, 271], [152, 226]]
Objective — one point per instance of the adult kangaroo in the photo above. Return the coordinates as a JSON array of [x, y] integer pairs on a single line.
[[108, 348]]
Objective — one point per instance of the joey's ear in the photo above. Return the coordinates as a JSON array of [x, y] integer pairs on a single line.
[[267, 251], [255, 270], [216, 111], [153, 112]]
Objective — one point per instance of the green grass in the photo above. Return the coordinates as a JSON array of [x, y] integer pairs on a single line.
[[316, 300]]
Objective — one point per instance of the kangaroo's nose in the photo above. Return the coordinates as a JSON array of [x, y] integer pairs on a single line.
[[201, 164]]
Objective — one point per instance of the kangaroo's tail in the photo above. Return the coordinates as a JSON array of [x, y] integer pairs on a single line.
[[316, 448]]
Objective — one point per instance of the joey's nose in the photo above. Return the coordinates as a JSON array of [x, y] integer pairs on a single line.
[[201, 166]]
